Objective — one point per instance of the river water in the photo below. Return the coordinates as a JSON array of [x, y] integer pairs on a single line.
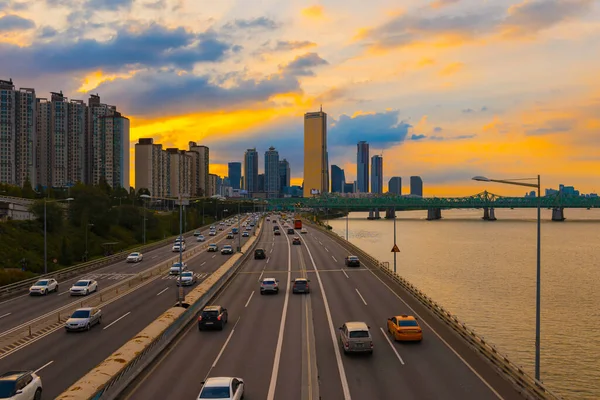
[[484, 272]]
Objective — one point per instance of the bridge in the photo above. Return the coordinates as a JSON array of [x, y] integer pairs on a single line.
[[284, 346], [484, 200]]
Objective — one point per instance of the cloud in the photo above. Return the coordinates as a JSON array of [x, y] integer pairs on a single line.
[[286, 45], [110, 5], [555, 126], [451, 69], [154, 46], [533, 16], [379, 129], [484, 109], [446, 138], [437, 129], [417, 137], [11, 23], [302, 65], [443, 3], [314, 12], [254, 23], [157, 5], [47, 32], [426, 62], [468, 111]]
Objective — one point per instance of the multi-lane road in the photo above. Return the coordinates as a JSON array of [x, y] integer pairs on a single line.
[[61, 358], [286, 346]]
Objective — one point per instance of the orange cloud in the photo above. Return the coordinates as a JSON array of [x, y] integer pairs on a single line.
[[314, 12], [452, 69], [425, 62], [218, 169], [443, 3], [94, 79]]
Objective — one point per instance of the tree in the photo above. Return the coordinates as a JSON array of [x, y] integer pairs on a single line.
[[54, 215], [65, 252], [27, 190]]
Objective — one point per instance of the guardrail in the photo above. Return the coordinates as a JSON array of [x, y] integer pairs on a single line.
[[14, 338], [523, 382], [112, 376], [78, 269]]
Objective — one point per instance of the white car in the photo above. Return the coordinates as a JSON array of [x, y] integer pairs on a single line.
[[303, 231], [212, 233], [245, 234], [226, 388], [135, 257], [83, 319], [43, 287], [177, 268], [20, 385], [188, 278], [200, 238], [227, 249], [83, 287], [180, 246]]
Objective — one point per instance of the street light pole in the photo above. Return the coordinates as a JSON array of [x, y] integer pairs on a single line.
[[347, 216], [538, 305], [394, 216], [239, 227], [45, 241], [180, 250]]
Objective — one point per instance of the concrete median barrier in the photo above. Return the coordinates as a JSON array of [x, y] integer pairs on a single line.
[[114, 374]]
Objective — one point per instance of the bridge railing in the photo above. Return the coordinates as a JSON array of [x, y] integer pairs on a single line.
[[522, 381], [78, 269]]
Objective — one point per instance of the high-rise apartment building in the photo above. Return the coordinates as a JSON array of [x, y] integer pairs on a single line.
[[76, 142], [284, 175], [43, 130], [150, 168], [362, 167], [180, 173], [251, 171], [416, 186], [212, 184], [272, 172], [316, 167], [8, 132], [377, 174], [338, 179], [200, 163], [235, 174], [261, 183], [395, 185]]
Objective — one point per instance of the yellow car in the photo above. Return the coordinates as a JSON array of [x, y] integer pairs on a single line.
[[405, 328]]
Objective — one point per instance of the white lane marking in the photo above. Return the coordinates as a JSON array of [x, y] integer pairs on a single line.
[[203, 263], [439, 337], [65, 292], [154, 257], [334, 259], [270, 251], [14, 298], [5, 315], [42, 367], [362, 298], [336, 348], [275, 371], [261, 274], [162, 291], [249, 298], [214, 256], [392, 345], [321, 243], [326, 249], [346, 274], [268, 260], [225, 344], [115, 321]]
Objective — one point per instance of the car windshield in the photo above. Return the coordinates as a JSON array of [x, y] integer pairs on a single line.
[[83, 283], [259, 251], [300, 283], [211, 313], [227, 246], [359, 334], [190, 274], [215, 393], [81, 314], [353, 258], [7, 389], [408, 323], [177, 265], [212, 245], [269, 282], [134, 254], [41, 283]]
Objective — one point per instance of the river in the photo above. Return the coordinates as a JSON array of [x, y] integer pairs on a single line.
[[484, 272]]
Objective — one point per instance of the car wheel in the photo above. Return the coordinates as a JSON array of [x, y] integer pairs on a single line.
[[199, 327], [86, 292], [45, 292], [87, 327], [56, 290], [99, 320], [38, 394], [261, 293], [221, 326]]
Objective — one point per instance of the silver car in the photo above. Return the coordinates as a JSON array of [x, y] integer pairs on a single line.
[[188, 278], [177, 267], [83, 319], [227, 249], [355, 337], [269, 285]]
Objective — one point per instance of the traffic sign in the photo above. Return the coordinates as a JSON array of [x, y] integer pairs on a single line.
[[395, 249]]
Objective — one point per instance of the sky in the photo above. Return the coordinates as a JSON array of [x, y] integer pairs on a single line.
[[444, 89]]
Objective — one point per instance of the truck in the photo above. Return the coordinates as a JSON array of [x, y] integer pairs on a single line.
[[297, 224]]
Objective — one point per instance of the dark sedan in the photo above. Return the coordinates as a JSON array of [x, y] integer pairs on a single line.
[[352, 261]]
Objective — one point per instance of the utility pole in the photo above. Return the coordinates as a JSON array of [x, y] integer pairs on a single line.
[[180, 250], [239, 227]]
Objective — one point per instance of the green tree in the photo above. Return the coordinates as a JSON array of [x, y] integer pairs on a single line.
[[54, 214], [27, 190], [66, 256]]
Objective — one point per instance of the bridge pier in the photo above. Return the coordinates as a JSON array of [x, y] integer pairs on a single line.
[[374, 214], [434, 213], [489, 214], [558, 214], [390, 213]]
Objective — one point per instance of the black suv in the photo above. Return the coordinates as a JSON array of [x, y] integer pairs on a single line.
[[259, 254], [352, 261], [290, 231], [275, 228], [212, 317]]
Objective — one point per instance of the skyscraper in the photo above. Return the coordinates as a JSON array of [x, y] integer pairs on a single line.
[[338, 179], [395, 185], [149, 167], [362, 167], [377, 174], [261, 183], [251, 171], [416, 186], [235, 174], [76, 142], [316, 168], [180, 172], [272, 172], [284, 174], [200, 165]]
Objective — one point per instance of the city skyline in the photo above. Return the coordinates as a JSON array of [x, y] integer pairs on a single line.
[[233, 78]]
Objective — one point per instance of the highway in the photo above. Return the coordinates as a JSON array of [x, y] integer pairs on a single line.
[[23, 308], [286, 346], [62, 358]]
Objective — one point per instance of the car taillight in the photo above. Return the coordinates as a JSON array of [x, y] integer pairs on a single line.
[[418, 331], [346, 344], [371, 344], [199, 318], [219, 318]]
